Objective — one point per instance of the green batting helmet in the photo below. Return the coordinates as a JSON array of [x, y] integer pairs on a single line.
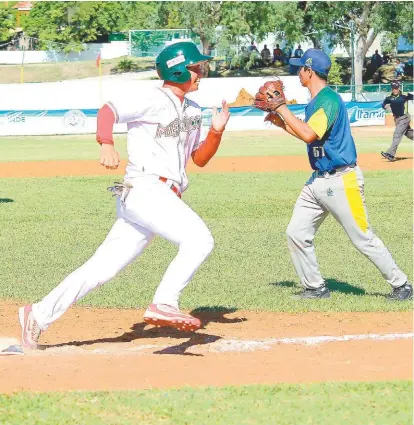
[[172, 62]]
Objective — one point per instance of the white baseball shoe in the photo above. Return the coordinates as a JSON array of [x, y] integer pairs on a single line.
[[30, 329], [167, 315]]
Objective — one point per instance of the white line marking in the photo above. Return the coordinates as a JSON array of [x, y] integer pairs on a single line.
[[264, 344], [220, 346]]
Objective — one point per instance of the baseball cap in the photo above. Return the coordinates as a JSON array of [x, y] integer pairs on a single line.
[[395, 84], [315, 59]]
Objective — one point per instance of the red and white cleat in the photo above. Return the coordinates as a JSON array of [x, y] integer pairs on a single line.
[[30, 329], [165, 315]]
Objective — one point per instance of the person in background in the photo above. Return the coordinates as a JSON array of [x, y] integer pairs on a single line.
[[287, 54], [399, 69], [266, 55], [398, 102], [298, 52], [252, 47], [293, 70], [376, 60], [385, 58], [277, 54]]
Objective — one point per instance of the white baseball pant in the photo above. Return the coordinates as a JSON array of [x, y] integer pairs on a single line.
[[150, 209], [342, 195]]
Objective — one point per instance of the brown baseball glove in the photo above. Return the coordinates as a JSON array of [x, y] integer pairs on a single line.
[[270, 96], [275, 119]]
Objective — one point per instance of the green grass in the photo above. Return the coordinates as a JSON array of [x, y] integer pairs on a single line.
[[380, 403], [247, 143], [54, 225]]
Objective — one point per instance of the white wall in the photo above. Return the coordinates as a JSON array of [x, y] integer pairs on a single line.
[[61, 107], [86, 94]]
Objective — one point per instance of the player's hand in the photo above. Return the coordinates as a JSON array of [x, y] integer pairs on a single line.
[[109, 157], [219, 119], [275, 119]]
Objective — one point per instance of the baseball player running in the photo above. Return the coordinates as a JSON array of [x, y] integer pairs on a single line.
[[398, 103], [336, 185], [164, 131]]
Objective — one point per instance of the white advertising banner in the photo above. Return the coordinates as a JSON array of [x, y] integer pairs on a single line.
[[70, 107], [83, 121]]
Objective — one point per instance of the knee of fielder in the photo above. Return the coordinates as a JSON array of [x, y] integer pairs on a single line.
[[369, 246], [296, 237]]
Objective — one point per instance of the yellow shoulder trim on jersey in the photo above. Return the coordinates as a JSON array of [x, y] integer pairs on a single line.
[[356, 203], [318, 122]]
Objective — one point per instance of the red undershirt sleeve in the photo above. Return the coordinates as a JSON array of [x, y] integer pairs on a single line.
[[208, 148], [105, 126]]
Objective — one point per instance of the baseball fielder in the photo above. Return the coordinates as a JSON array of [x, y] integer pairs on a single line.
[[164, 131], [397, 101], [336, 185]]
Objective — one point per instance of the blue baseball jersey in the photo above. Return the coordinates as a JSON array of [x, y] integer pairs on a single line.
[[326, 114]]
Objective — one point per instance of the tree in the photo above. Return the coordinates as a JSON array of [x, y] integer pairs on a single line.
[[400, 17], [250, 19], [66, 25], [223, 22], [7, 22], [139, 15], [369, 19], [202, 18], [334, 77], [335, 20]]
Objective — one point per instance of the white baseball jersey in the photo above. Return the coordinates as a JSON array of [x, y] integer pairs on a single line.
[[162, 133]]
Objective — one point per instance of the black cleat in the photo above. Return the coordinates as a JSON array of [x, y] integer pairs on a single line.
[[310, 294], [402, 293], [386, 155]]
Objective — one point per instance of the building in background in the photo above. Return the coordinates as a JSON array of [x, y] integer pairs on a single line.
[[23, 8]]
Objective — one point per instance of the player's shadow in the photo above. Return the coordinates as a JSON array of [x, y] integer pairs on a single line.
[[402, 158], [6, 200], [216, 314], [398, 158], [206, 315], [332, 284], [142, 330]]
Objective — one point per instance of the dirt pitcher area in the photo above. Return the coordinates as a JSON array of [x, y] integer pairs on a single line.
[[105, 349]]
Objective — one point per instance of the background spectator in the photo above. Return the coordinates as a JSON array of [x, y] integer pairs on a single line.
[[266, 55], [399, 69], [298, 52], [287, 54], [277, 54], [252, 47], [376, 60]]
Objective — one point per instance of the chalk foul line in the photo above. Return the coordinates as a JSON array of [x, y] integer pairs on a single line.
[[264, 344]]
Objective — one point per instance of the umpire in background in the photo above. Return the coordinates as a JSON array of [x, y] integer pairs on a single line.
[[398, 102]]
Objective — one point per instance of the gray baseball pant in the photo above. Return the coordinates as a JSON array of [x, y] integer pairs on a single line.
[[342, 195], [402, 128]]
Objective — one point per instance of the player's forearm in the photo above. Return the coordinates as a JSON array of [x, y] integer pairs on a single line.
[[105, 125], [299, 128], [208, 148], [290, 131]]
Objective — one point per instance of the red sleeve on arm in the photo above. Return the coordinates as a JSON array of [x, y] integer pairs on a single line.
[[106, 120], [208, 148]]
